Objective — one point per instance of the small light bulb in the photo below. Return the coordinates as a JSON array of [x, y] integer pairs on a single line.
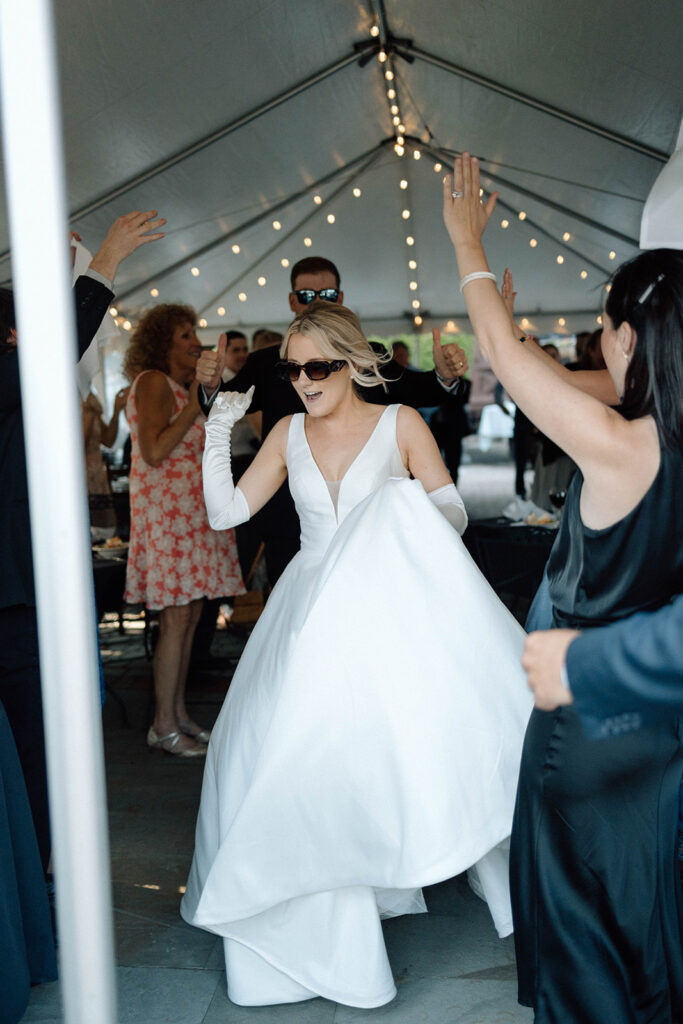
[[127, 325], [413, 286], [560, 259], [308, 242], [113, 311], [405, 214], [583, 275], [481, 192], [410, 240], [522, 215], [391, 93], [399, 150], [505, 223], [416, 154], [389, 75], [450, 326], [533, 243], [566, 236], [202, 322], [221, 310], [412, 264], [242, 296], [195, 271], [357, 193], [394, 109], [416, 303], [277, 225], [261, 280], [437, 167], [381, 56], [400, 140], [284, 262], [608, 288], [402, 128], [417, 320], [561, 321], [374, 31], [612, 254], [403, 183], [236, 248], [331, 218], [154, 292], [525, 322], [396, 121], [317, 200], [598, 320]]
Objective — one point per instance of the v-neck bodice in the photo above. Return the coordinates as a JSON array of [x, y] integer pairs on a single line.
[[378, 460]]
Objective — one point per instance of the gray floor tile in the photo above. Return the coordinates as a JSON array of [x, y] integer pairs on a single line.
[[45, 1004], [140, 942], [426, 946], [312, 1011], [445, 1001], [160, 995]]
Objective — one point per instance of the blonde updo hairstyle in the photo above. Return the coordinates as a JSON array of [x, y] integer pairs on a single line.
[[339, 335]]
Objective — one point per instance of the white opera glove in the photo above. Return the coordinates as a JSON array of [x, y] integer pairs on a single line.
[[450, 505], [225, 504]]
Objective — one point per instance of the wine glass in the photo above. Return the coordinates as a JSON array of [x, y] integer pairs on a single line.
[[557, 498]]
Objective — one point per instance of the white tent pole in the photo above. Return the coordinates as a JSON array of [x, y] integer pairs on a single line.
[[54, 449]]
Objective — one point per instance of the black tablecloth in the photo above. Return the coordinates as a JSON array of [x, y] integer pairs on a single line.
[[110, 583], [512, 558]]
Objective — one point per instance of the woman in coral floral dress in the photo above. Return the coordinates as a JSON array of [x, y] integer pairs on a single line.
[[175, 559]]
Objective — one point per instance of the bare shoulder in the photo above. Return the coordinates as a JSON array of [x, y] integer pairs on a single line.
[[277, 438], [153, 386], [409, 424]]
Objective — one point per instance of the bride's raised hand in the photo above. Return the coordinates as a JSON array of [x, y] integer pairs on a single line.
[[464, 214]]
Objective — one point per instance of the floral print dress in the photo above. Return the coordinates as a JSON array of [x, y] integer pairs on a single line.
[[174, 556]]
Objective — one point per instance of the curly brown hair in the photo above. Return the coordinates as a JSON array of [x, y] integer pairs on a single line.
[[151, 340]]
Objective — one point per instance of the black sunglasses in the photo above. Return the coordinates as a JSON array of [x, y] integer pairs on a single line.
[[315, 369], [306, 295]]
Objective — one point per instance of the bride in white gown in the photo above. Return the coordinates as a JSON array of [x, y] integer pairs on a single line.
[[370, 740]]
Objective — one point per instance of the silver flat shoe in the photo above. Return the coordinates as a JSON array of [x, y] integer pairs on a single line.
[[168, 744], [203, 736]]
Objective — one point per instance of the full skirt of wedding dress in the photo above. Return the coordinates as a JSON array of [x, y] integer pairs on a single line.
[[369, 745]]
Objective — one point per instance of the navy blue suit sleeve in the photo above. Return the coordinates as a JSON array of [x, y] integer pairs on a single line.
[[634, 666], [92, 300]]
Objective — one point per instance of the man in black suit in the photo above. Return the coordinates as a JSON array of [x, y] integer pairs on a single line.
[[19, 667], [315, 278]]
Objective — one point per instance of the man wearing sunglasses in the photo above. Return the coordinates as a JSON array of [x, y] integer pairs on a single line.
[[311, 279]]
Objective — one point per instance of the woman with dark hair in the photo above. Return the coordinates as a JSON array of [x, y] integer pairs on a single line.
[[175, 560], [596, 896]]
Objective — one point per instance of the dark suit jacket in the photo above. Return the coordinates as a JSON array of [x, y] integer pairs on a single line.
[[16, 575], [276, 398], [631, 666]]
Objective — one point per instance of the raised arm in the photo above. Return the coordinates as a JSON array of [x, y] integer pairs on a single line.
[[422, 457], [228, 505], [590, 433]]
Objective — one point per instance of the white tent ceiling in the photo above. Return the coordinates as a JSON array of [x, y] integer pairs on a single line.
[[575, 107]]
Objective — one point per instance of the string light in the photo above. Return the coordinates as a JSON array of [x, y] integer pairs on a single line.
[[405, 214], [261, 280], [126, 325], [308, 243], [403, 183], [413, 286], [451, 327], [113, 311], [412, 264], [374, 31], [583, 275], [277, 225], [416, 154], [533, 242], [612, 254], [357, 193], [381, 56], [598, 320], [416, 303], [560, 259], [400, 140], [399, 150], [391, 93], [195, 271], [402, 128], [437, 167], [505, 223], [566, 236], [396, 121], [394, 109], [284, 262], [562, 321], [525, 322], [236, 248], [410, 240], [389, 75], [331, 218], [242, 296], [317, 200], [202, 322], [154, 292], [417, 320], [522, 215], [221, 310]]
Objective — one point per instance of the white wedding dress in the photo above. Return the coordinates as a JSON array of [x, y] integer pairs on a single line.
[[369, 743]]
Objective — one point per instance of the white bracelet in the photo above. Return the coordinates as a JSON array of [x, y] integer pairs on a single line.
[[475, 277]]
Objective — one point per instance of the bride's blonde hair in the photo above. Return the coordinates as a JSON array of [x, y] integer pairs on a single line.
[[339, 335]]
